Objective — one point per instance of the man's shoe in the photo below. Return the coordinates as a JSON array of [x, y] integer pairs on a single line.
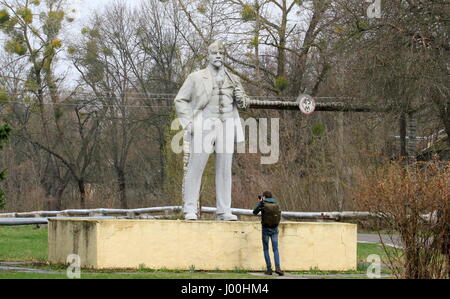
[[226, 217], [268, 271], [190, 216], [279, 272]]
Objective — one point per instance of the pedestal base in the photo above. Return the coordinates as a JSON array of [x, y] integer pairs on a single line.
[[199, 245]]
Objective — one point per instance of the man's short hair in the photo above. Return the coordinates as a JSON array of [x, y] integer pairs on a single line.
[[217, 45], [267, 194]]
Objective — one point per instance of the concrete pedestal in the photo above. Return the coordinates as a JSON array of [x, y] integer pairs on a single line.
[[199, 245]]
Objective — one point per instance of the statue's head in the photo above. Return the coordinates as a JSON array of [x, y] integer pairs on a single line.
[[216, 53]]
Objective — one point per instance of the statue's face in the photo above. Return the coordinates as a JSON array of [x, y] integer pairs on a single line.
[[216, 57]]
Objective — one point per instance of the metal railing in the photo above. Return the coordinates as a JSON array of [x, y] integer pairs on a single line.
[[41, 217]]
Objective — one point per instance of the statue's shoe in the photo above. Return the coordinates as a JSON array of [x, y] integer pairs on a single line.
[[226, 217], [190, 216]]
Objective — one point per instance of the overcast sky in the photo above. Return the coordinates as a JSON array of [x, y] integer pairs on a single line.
[[86, 7]]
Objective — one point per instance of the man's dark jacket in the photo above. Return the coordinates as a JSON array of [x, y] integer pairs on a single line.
[[260, 207]]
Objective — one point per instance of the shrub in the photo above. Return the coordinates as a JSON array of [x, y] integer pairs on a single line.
[[412, 201]]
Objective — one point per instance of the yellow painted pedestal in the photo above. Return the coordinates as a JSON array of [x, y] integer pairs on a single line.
[[199, 245]]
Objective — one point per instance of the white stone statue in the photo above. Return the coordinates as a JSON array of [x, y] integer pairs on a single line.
[[207, 106]]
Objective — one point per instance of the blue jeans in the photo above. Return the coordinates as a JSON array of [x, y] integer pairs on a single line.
[[271, 233]]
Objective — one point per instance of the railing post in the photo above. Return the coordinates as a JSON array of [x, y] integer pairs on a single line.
[[403, 134], [411, 130]]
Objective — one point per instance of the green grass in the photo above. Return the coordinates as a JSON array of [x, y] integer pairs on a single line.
[[62, 268], [371, 232], [366, 249], [23, 243], [363, 251], [156, 275]]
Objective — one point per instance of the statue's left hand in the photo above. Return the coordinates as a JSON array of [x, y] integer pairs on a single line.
[[241, 98]]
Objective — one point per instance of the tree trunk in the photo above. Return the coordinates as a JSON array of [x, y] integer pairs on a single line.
[[162, 157], [340, 172], [53, 185], [52, 202], [54, 195], [82, 189], [121, 181], [281, 59]]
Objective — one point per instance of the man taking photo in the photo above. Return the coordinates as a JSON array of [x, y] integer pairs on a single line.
[[271, 217]]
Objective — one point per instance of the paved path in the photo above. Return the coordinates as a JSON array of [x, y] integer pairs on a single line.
[[315, 276], [390, 240], [26, 270], [14, 267]]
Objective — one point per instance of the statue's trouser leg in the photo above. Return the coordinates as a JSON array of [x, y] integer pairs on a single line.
[[224, 148], [193, 180], [223, 182], [201, 146]]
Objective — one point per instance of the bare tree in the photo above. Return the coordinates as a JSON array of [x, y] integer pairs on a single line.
[[127, 56], [401, 57], [270, 41]]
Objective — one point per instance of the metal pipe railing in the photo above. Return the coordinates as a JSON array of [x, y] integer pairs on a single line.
[[41, 217]]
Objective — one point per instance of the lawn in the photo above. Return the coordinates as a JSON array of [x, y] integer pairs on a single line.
[[154, 275], [366, 249], [23, 243]]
